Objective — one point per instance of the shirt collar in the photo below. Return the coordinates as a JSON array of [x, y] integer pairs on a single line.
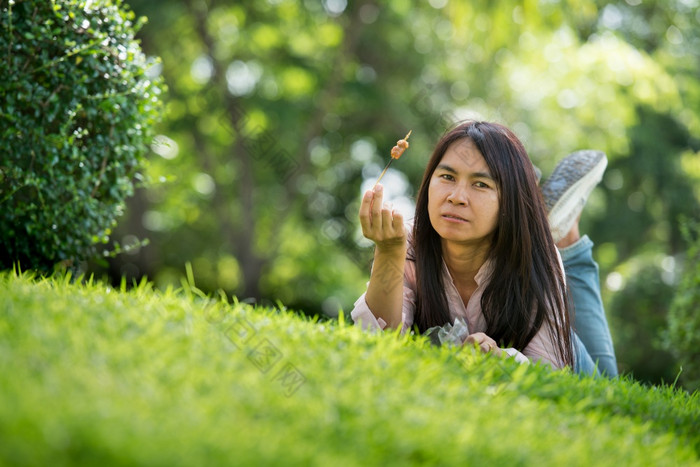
[[482, 275]]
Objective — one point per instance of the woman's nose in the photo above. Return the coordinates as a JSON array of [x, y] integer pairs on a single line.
[[458, 196]]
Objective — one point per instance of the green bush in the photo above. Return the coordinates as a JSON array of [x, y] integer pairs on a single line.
[[76, 114], [682, 338]]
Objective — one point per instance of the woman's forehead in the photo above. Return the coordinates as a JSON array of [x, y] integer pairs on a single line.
[[464, 154]]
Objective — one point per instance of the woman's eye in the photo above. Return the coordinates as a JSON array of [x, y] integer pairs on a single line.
[[481, 185], [447, 177]]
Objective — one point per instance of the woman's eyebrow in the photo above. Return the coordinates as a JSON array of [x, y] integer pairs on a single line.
[[447, 168], [482, 175]]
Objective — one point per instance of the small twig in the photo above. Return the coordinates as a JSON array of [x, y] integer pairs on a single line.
[[103, 167], [55, 91], [68, 55], [112, 94], [384, 171], [11, 194], [31, 163], [9, 28]]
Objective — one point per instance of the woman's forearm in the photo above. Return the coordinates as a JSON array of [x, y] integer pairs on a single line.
[[385, 290]]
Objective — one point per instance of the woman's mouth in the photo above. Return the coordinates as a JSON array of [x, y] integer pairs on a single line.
[[453, 218]]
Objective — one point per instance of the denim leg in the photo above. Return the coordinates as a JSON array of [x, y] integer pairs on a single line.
[[589, 321], [583, 363]]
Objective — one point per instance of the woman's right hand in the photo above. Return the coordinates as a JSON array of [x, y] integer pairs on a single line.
[[380, 223], [385, 228]]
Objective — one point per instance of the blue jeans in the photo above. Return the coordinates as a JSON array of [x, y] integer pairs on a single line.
[[592, 341]]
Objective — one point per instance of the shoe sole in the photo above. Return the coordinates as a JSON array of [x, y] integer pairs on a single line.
[[568, 201]]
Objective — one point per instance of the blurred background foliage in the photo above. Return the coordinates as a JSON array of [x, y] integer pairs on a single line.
[[280, 112]]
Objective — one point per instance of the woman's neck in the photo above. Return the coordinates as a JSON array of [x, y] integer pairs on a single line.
[[463, 261]]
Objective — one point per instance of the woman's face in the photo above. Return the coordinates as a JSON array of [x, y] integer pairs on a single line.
[[463, 196]]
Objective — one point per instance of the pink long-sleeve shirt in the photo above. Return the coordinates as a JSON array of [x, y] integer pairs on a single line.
[[541, 347]]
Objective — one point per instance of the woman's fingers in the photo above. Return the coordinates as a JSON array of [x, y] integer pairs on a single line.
[[380, 223], [370, 211], [477, 340], [483, 342], [387, 218], [366, 213], [397, 222], [376, 207]]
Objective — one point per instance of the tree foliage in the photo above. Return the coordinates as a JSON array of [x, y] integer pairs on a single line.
[[280, 112], [77, 110], [682, 338]]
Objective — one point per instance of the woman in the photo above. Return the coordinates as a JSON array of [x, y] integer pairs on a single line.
[[480, 249]]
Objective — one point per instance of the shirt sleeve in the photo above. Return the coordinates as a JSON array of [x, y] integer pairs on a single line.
[[541, 347], [515, 353], [363, 316]]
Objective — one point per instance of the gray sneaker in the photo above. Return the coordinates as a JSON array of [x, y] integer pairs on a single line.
[[567, 189]]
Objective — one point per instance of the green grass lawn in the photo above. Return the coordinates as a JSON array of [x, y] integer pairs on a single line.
[[93, 375]]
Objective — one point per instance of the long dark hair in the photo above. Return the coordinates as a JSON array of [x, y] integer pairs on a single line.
[[528, 290]]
